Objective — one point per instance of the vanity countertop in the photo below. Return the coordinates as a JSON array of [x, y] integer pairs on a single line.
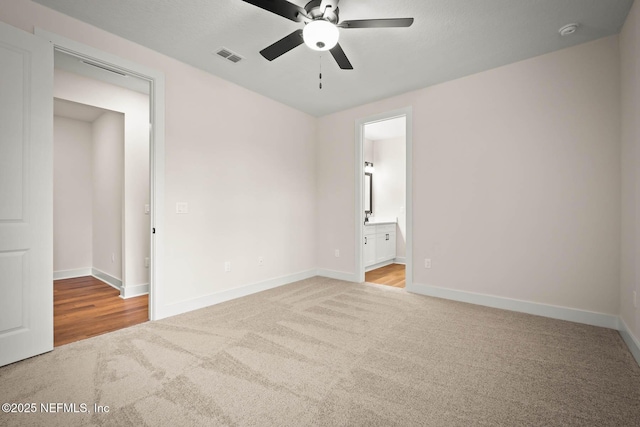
[[380, 222]]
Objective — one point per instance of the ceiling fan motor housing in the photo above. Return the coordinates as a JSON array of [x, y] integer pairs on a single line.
[[314, 12]]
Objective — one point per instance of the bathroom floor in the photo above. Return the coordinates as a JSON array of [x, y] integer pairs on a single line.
[[390, 275]]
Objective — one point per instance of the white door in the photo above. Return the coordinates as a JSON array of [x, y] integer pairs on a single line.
[[26, 191]]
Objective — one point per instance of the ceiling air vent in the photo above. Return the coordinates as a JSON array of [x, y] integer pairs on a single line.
[[227, 54]]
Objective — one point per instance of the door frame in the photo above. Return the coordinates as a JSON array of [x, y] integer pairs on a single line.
[[407, 112], [156, 150]]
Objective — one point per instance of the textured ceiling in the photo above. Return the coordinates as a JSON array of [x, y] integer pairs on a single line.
[[449, 39]]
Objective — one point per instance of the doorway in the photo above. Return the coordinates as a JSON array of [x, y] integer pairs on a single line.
[[26, 228], [101, 183], [88, 61], [383, 199]]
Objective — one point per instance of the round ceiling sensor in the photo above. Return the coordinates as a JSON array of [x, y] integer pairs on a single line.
[[568, 29]]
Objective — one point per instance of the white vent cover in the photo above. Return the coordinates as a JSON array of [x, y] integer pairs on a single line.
[[229, 55]]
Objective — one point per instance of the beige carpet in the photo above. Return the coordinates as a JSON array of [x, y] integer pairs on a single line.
[[326, 352]]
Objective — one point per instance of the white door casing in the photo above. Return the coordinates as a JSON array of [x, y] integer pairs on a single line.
[[157, 306], [407, 112], [26, 191]]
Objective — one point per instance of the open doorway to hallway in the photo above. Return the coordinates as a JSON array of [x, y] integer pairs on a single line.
[[101, 199], [84, 307]]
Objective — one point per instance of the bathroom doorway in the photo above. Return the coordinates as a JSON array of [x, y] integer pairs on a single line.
[[383, 199]]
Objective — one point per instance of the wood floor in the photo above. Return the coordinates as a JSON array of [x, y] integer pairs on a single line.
[[390, 275], [84, 307]]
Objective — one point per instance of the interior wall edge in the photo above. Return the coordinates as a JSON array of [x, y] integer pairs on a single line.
[[71, 274], [338, 275], [631, 340], [134, 291], [169, 310], [106, 278], [610, 321]]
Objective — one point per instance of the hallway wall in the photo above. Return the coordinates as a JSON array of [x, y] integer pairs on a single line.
[[72, 194]]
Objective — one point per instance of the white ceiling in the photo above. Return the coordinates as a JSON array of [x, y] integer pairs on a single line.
[[449, 39], [386, 129], [76, 111]]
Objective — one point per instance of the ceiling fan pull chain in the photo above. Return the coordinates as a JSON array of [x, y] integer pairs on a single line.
[[320, 72]]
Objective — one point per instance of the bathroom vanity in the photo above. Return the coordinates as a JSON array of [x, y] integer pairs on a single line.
[[379, 244]]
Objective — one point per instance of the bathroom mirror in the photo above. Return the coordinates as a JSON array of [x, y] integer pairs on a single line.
[[368, 193]]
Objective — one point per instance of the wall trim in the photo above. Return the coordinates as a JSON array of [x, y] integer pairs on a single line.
[[632, 341], [400, 260], [555, 312], [71, 274], [379, 265], [338, 275], [174, 309], [106, 278], [134, 291]]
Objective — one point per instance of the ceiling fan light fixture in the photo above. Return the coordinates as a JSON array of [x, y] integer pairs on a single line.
[[320, 35]]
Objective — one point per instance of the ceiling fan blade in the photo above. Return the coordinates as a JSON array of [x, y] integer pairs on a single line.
[[377, 23], [283, 45], [341, 58], [281, 7]]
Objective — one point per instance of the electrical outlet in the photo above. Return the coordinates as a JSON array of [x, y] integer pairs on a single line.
[[147, 209], [635, 299], [146, 262], [427, 263], [113, 257], [227, 266], [260, 260], [337, 253]]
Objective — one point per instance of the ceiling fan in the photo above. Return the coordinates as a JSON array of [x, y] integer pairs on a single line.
[[321, 27]]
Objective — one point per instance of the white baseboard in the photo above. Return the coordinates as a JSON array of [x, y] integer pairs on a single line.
[[70, 274], [632, 342], [106, 278], [338, 275], [400, 260], [227, 295], [555, 312], [379, 265], [134, 291]]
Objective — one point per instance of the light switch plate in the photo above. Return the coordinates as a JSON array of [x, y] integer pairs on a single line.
[[146, 209], [182, 207]]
